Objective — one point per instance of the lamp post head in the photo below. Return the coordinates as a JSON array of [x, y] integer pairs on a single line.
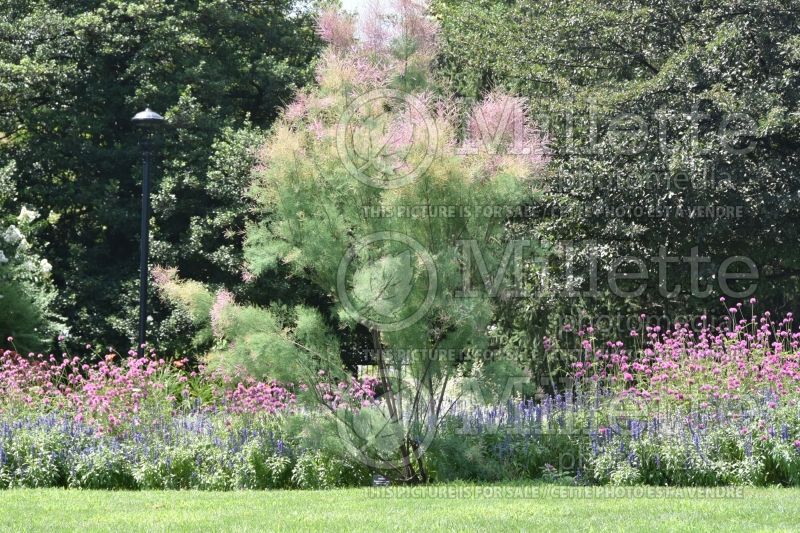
[[148, 119]]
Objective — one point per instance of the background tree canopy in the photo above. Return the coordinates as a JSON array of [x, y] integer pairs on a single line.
[[71, 76], [652, 105], [658, 112]]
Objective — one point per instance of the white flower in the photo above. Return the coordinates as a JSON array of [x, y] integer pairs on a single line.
[[13, 235], [45, 266], [26, 216], [3, 258]]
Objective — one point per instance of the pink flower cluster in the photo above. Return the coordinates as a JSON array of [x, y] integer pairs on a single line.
[[116, 391], [377, 45], [253, 396], [336, 28], [223, 299], [379, 27], [383, 46], [501, 124], [113, 391], [107, 393], [352, 395], [743, 356]]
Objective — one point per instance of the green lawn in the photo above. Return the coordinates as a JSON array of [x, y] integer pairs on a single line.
[[359, 510]]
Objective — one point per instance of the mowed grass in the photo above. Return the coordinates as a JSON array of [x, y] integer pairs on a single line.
[[773, 509]]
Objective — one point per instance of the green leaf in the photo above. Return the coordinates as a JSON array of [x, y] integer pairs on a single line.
[[383, 286]]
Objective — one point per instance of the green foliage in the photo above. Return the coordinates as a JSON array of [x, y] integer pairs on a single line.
[[72, 76], [35, 458], [452, 457], [248, 454], [318, 187], [201, 216], [102, 468], [192, 297], [253, 341], [303, 192], [318, 470], [650, 105], [27, 294], [307, 189], [263, 469], [247, 340]]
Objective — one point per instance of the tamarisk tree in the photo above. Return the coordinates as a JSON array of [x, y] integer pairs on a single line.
[[370, 190]]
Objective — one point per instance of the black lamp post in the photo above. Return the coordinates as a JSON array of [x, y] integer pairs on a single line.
[[148, 121]]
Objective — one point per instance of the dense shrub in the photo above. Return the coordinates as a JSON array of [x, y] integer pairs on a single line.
[[27, 293]]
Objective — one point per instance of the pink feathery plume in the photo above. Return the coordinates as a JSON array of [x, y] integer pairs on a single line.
[[501, 125], [337, 29], [224, 298]]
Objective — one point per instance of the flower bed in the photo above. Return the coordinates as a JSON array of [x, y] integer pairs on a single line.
[[687, 406]]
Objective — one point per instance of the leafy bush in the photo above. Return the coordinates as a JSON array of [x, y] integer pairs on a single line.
[[36, 456], [264, 467], [103, 467], [27, 293]]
